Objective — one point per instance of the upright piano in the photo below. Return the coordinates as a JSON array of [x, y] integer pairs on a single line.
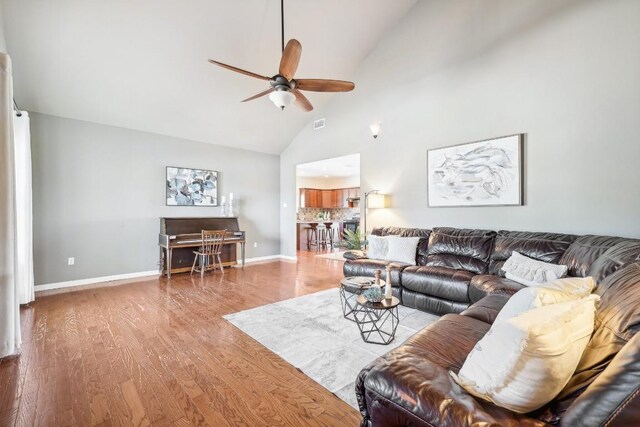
[[179, 237]]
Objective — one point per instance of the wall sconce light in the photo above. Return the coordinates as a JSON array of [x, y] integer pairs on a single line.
[[375, 130]]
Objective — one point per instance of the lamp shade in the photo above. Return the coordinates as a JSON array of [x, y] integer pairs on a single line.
[[282, 98], [376, 201]]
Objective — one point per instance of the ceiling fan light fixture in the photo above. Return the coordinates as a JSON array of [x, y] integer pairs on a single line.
[[282, 98]]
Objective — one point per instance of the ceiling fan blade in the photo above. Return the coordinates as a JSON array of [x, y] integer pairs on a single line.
[[263, 93], [239, 70], [302, 100], [290, 59], [322, 85]]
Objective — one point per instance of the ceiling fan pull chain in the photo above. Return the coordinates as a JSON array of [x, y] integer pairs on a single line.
[[282, 21]]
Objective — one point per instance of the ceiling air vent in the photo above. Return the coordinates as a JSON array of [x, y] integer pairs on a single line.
[[318, 124]]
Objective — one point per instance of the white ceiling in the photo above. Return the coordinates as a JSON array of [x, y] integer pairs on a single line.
[[143, 64], [336, 167]]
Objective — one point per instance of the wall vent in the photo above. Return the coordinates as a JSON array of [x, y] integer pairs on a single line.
[[318, 124]]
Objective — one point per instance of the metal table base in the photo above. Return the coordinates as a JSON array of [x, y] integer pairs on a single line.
[[377, 322]]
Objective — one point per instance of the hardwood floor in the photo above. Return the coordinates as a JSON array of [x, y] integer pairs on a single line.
[[158, 352]]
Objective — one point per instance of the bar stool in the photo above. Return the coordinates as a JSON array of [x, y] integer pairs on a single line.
[[312, 235], [328, 235]]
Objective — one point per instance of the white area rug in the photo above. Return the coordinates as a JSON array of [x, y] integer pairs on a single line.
[[335, 256], [310, 333]]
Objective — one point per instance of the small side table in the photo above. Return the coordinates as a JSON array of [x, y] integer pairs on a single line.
[[350, 288], [377, 321]]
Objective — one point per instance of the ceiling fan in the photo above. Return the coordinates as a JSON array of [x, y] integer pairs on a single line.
[[284, 88]]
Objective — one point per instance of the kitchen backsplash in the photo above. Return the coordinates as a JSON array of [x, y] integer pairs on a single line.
[[337, 214]]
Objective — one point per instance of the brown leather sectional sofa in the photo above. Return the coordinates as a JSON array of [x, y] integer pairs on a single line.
[[458, 275]]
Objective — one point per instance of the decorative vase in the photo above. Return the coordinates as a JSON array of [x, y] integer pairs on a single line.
[[230, 208], [387, 287], [376, 283]]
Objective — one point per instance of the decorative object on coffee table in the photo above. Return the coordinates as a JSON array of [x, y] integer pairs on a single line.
[[388, 293], [373, 294], [377, 321], [350, 288], [483, 173]]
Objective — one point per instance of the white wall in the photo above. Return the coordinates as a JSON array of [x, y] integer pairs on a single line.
[[3, 42], [328, 183], [98, 193], [565, 73]]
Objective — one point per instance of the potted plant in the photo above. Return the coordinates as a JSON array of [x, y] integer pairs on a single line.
[[352, 240]]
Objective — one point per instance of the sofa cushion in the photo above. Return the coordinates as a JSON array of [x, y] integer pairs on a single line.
[[402, 249], [546, 247], [558, 291], [485, 284], [431, 304], [487, 308], [617, 321], [423, 244], [531, 272], [367, 267], [584, 251], [440, 282], [377, 247], [409, 385], [461, 249], [537, 351], [613, 258]]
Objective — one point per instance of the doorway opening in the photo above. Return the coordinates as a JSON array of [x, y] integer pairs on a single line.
[[328, 205]]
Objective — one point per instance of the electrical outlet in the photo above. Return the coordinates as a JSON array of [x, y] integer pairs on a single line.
[[255, 244], [71, 261]]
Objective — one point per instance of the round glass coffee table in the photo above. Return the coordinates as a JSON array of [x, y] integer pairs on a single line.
[[377, 321], [350, 288]]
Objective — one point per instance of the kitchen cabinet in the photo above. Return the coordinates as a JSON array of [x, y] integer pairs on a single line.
[[341, 195], [327, 199], [310, 198]]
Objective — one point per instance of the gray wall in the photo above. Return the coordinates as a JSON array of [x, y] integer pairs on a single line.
[[98, 192], [565, 73]]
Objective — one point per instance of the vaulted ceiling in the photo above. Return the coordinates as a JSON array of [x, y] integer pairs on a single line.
[[143, 64]]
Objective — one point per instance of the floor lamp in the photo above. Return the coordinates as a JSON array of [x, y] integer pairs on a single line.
[[374, 200]]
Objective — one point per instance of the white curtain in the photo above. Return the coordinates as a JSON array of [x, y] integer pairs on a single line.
[[23, 208], [9, 300]]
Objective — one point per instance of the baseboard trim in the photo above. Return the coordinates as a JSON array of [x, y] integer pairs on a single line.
[[115, 277], [269, 258], [93, 280]]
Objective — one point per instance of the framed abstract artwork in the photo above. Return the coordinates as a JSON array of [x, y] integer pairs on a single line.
[[482, 173], [191, 187]]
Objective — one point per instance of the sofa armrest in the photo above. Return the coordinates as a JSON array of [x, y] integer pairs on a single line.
[[354, 254], [408, 390]]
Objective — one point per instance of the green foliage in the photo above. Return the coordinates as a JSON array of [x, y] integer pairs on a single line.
[[352, 240]]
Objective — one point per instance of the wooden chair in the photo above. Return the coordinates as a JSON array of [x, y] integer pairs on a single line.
[[212, 241]]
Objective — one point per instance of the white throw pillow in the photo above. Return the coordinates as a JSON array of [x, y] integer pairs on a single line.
[[524, 362], [530, 272], [377, 247], [402, 249], [561, 290]]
